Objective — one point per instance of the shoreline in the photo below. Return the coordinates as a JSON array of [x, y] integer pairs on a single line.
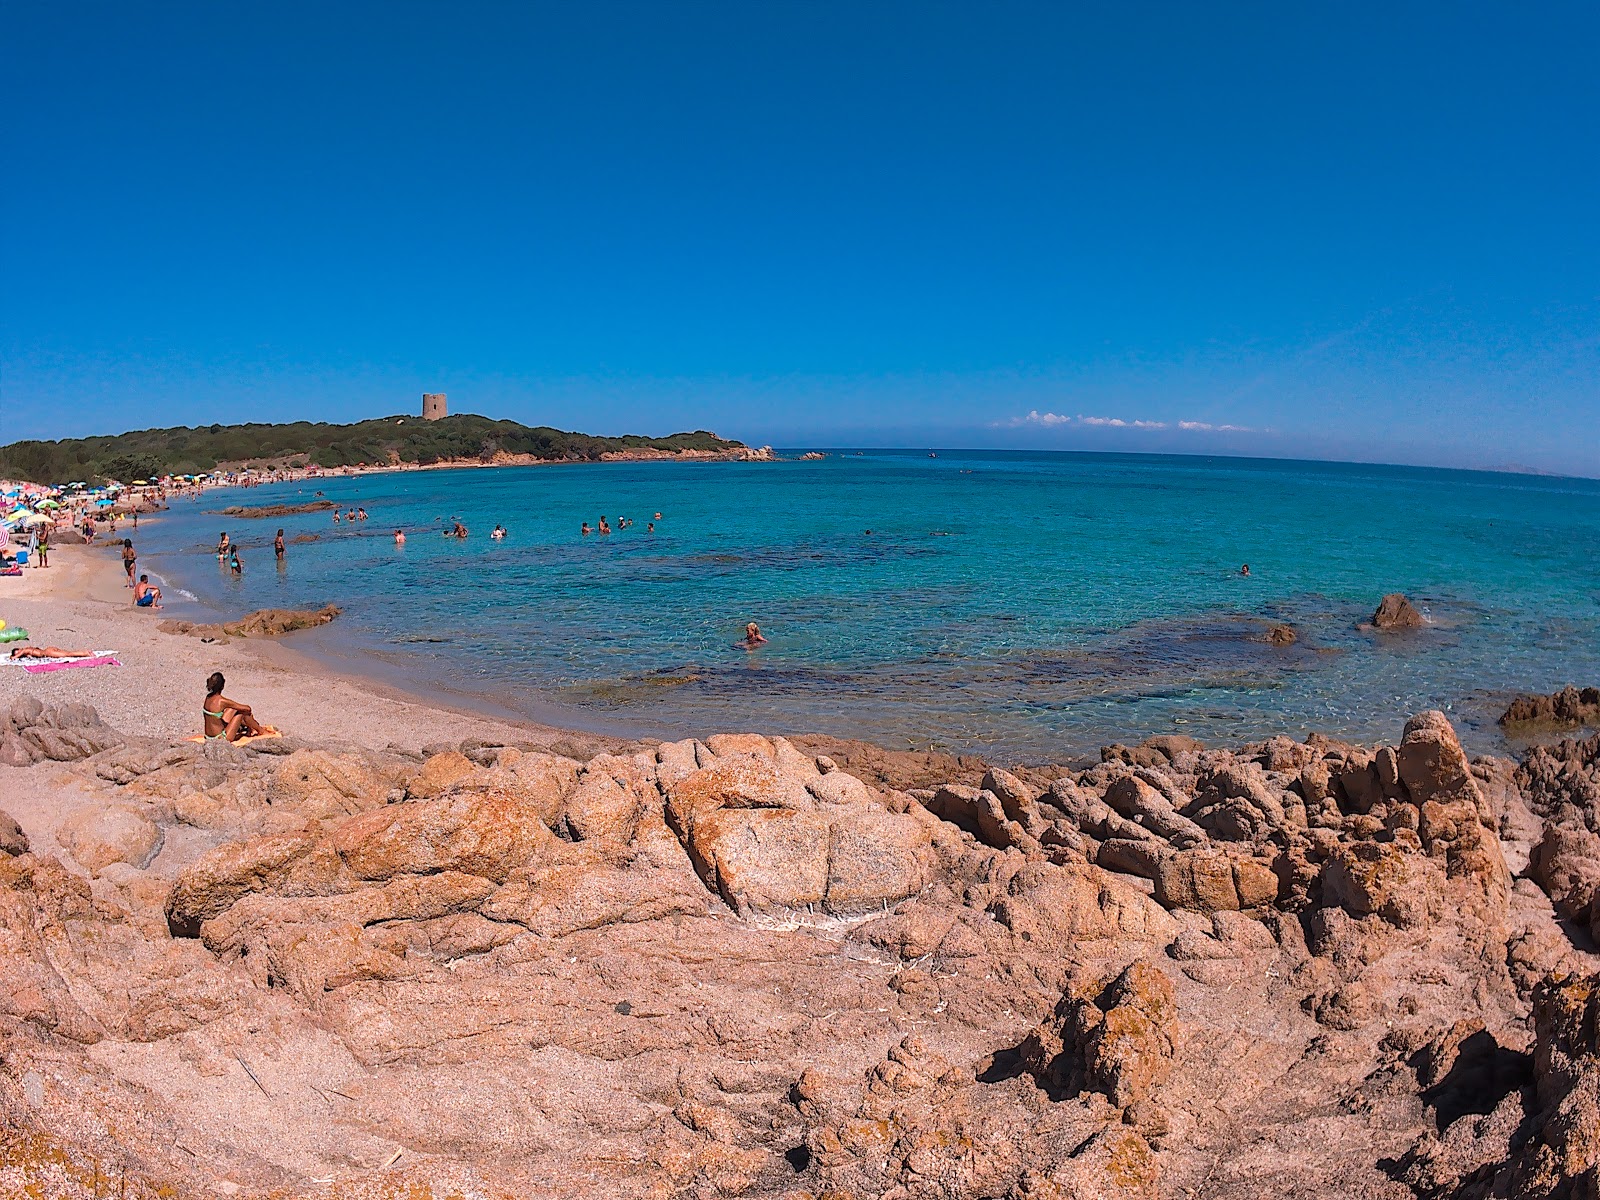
[[82, 604]]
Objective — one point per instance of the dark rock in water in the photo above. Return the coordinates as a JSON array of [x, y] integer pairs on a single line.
[[300, 539], [1569, 707], [277, 510], [1280, 635], [264, 622], [1397, 612]]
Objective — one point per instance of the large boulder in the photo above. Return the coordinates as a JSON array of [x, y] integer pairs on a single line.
[[32, 731], [98, 837], [770, 832], [489, 834], [1432, 765], [1055, 907]]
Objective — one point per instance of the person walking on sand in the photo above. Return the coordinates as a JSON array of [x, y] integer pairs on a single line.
[[277, 545], [228, 719], [128, 559], [44, 547], [146, 594], [753, 636]]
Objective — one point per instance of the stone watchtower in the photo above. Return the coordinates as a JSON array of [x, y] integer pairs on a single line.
[[432, 405]]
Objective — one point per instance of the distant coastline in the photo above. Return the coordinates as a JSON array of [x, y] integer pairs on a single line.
[[301, 449]]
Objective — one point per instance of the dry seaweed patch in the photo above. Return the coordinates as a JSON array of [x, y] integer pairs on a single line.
[[735, 968]]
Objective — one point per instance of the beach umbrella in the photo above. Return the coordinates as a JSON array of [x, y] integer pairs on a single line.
[[48, 504], [30, 520]]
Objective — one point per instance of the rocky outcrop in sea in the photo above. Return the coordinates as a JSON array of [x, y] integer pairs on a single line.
[[739, 968]]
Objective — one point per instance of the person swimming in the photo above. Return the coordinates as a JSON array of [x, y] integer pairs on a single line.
[[499, 532], [753, 636], [399, 537], [1245, 570], [586, 530]]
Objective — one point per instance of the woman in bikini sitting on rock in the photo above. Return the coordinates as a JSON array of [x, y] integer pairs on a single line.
[[228, 719]]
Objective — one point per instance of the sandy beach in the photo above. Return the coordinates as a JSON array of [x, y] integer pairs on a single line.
[[80, 602]]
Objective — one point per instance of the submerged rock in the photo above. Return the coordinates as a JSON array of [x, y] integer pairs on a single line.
[[1567, 708], [264, 622]]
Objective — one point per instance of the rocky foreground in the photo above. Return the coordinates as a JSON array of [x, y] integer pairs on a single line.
[[739, 969]]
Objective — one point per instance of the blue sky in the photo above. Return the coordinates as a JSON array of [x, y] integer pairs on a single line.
[[1356, 231]]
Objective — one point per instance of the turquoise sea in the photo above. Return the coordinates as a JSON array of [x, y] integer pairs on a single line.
[[1032, 606]]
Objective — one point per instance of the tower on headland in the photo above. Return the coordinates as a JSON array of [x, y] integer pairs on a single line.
[[432, 406]]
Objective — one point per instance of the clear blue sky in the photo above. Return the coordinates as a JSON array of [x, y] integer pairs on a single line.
[[1351, 231]]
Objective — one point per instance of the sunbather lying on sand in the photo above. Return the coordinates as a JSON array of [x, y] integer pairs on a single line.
[[226, 718], [48, 652]]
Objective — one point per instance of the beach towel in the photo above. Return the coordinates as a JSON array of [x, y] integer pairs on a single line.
[[244, 741], [7, 660], [38, 666]]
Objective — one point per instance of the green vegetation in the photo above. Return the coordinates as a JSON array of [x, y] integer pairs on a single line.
[[146, 453]]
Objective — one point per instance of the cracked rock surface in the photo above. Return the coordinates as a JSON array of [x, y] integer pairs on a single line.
[[740, 967]]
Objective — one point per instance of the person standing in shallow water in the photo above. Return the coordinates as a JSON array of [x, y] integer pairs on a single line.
[[753, 636], [277, 545]]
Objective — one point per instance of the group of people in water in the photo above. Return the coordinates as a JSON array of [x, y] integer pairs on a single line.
[[604, 527]]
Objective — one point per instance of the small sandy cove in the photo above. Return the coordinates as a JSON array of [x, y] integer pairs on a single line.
[[80, 602]]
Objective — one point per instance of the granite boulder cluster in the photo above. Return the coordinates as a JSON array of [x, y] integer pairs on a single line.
[[738, 967]]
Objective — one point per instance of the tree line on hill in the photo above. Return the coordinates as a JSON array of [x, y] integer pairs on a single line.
[[148, 453]]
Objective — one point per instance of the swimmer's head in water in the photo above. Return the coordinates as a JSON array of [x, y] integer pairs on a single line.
[[752, 629]]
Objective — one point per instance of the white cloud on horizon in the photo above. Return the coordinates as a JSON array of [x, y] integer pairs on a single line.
[[1050, 420]]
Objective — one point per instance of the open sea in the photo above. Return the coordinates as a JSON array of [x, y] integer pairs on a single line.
[[1028, 606]]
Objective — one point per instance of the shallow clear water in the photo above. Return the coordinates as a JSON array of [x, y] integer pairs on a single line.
[[1029, 605]]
